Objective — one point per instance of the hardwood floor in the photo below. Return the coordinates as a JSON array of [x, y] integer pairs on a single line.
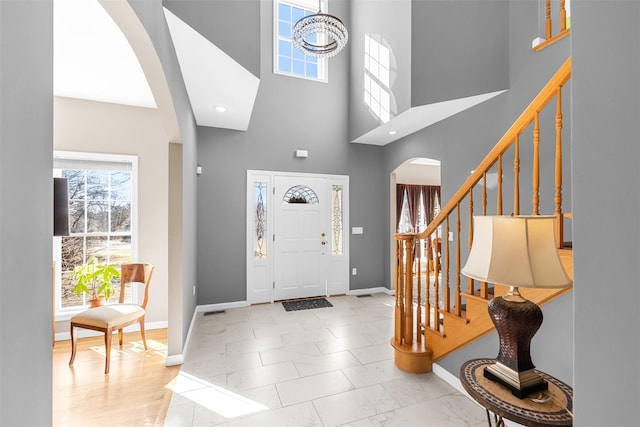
[[133, 394]]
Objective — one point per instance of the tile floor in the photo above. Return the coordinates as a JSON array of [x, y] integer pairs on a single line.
[[263, 366]]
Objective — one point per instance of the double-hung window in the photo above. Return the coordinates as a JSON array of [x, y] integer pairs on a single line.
[[288, 59], [102, 217]]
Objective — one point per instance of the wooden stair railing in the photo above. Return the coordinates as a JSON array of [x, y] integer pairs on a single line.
[[563, 29], [431, 319]]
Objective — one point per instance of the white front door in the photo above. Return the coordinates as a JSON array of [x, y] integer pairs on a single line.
[[301, 212], [296, 250]]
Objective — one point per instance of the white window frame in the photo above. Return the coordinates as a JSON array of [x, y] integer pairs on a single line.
[[62, 314], [323, 63]]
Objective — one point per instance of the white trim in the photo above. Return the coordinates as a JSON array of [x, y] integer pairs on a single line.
[[178, 359], [61, 314], [451, 379], [366, 291], [221, 306], [84, 333], [174, 360], [250, 262]]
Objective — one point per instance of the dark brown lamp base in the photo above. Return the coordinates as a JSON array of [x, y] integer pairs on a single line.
[[517, 320]]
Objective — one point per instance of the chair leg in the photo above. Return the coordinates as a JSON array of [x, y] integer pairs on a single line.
[[144, 339], [120, 336], [107, 347], [74, 344]]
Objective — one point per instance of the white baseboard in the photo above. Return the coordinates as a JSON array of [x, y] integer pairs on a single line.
[[221, 306], [451, 379], [83, 333], [379, 289], [174, 360]]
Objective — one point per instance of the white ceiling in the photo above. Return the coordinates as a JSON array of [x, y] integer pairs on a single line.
[[92, 58], [416, 118], [212, 79]]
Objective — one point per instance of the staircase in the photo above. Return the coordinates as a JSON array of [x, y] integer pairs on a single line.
[[437, 310]]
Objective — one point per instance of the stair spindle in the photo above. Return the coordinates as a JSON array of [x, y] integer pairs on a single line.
[[536, 165], [516, 176], [558, 177]]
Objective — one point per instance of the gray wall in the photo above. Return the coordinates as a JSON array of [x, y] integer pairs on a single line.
[[152, 17], [372, 17], [606, 151], [455, 48], [26, 212], [463, 140], [233, 24], [289, 114]]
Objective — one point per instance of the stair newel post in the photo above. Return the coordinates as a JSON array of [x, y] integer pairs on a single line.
[[558, 177], [407, 331], [536, 165], [516, 176]]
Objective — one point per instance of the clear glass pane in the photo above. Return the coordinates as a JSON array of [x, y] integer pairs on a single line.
[[298, 68], [285, 48], [76, 183], [120, 217], [312, 70], [260, 219], [284, 12], [284, 64], [68, 297], [284, 29], [97, 217], [98, 247], [72, 252], [120, 185], [76, 217], [336, 221], [120, 250], [297, 54], [297, 14], [97, 184]]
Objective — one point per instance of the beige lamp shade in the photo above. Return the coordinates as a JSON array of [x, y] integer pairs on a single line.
[[516, 251]]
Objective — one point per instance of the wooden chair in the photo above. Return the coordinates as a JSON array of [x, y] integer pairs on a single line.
[[112, 317]]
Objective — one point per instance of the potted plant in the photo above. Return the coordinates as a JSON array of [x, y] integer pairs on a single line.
[[96, 280]]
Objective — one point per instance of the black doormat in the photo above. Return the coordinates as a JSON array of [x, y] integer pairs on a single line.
[[306, 304]]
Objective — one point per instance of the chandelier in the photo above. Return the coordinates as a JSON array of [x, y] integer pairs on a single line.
[[320, 35]]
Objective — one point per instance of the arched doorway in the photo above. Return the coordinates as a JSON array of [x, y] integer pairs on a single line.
[[413, 171]]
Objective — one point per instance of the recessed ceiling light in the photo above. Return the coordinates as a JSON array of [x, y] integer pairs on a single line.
[[220, 108], [393, 132]]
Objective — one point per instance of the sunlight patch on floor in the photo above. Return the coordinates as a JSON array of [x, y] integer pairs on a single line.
[[212, 397], [155, 347]]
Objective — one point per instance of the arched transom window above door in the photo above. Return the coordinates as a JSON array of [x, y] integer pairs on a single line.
[[300, 194]]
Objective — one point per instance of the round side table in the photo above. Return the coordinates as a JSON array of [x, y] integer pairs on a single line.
[[546, 409]]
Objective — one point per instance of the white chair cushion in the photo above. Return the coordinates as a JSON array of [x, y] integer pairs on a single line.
[[109, 316]]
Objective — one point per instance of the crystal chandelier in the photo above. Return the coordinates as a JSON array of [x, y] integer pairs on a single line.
[[320, 35]]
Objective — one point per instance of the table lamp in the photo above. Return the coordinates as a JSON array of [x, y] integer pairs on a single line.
[[519, 251]]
